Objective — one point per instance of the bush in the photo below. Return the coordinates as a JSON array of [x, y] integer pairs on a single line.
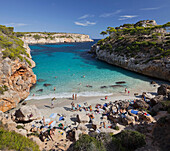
[[37, 37], [15, 141], [129, 140], [3, 89], [88, 143]]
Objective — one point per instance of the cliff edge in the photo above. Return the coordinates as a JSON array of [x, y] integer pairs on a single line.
[[143, 47], [16, 75]]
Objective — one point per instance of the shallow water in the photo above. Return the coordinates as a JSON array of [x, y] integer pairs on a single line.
[[69, 68]]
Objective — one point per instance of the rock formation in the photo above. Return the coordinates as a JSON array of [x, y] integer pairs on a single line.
[[142, 47], [17, 77], [41, 38]]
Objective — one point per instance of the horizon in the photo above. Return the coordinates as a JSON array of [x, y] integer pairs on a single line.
[[85, 17]]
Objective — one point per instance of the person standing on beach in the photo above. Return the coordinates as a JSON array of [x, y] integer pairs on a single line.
[[52, 102], [75, 96], [128, 92], [125, 90], [54, 88]]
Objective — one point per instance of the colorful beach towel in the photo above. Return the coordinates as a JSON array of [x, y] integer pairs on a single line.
[[134, 112], [53, 115], [61, 118], [47, 120]]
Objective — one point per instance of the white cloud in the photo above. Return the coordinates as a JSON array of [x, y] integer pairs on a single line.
[[86, 23], [85, 16], [151, 8], [124, 17], [110, 14], [16, 24]]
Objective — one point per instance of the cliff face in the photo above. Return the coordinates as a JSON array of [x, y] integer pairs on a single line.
[[41, 38], [16, 75], [141, 52]]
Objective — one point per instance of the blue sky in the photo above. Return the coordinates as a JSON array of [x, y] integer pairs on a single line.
[[80, 16]]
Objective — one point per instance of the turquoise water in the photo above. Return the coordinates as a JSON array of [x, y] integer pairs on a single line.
[[64, 65]]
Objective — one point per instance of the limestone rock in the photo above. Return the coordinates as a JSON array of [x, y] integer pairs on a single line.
[[140, 104], [156, 99], [27, 113], [162, 90], [81, 118]]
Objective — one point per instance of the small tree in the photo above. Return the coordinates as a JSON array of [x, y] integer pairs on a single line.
[[103, 33]]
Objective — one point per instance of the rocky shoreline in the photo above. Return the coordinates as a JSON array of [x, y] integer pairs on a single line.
[[157, 69], [142, 47]]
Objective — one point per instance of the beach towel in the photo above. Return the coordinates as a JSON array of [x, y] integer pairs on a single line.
[[61, 118], [53, 124], [50, 123], [47, 120], [134, 112], [53, 115]]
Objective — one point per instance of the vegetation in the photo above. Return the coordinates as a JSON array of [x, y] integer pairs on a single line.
[[132, 39], [125, 141], [12, 45], [3, 89], [88, 143], [15, 141]]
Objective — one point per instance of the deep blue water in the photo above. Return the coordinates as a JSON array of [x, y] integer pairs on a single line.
[[64, 65]]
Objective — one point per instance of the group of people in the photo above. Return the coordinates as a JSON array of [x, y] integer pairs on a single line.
[[74, 96]]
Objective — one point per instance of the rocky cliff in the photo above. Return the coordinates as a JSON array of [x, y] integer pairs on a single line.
[[16, 75], [143, 47], [41, 38]]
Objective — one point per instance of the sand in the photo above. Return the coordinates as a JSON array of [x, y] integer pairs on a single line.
[[63, 105]]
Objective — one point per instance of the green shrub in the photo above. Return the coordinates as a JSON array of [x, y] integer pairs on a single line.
[[15, 141], [28, 61], [129, 140], [3, 89], [37, 37], [20, 127], [88, 143]]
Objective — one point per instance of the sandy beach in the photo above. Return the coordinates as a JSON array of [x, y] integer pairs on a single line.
[[63, 105]]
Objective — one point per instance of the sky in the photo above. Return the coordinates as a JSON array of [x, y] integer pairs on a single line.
[[80, 16]]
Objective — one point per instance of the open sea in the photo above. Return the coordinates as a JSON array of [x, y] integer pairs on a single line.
[[69, 68]]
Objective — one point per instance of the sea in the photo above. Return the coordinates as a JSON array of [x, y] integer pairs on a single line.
[[69, 68]]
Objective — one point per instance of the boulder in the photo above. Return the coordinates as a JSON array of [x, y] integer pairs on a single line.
[[27, 113], [148, 95], [81, 118], [46, 84], [77, 134], [21, 131], [40, 80], [140, 104], [81, 127], [162, 90], [168, 96], [40, 90], [156, 100], [2, 115], [157, 107], [124, 105]]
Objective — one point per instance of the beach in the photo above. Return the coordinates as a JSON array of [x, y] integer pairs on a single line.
[[63, 105]]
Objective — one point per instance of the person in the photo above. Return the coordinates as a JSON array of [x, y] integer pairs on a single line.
[[61, 126], [52, 103], [128, 92], [43, 121], [105, 97], [48, 134], [54, 88], [73, 96], [90, 108], [125, 90]]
